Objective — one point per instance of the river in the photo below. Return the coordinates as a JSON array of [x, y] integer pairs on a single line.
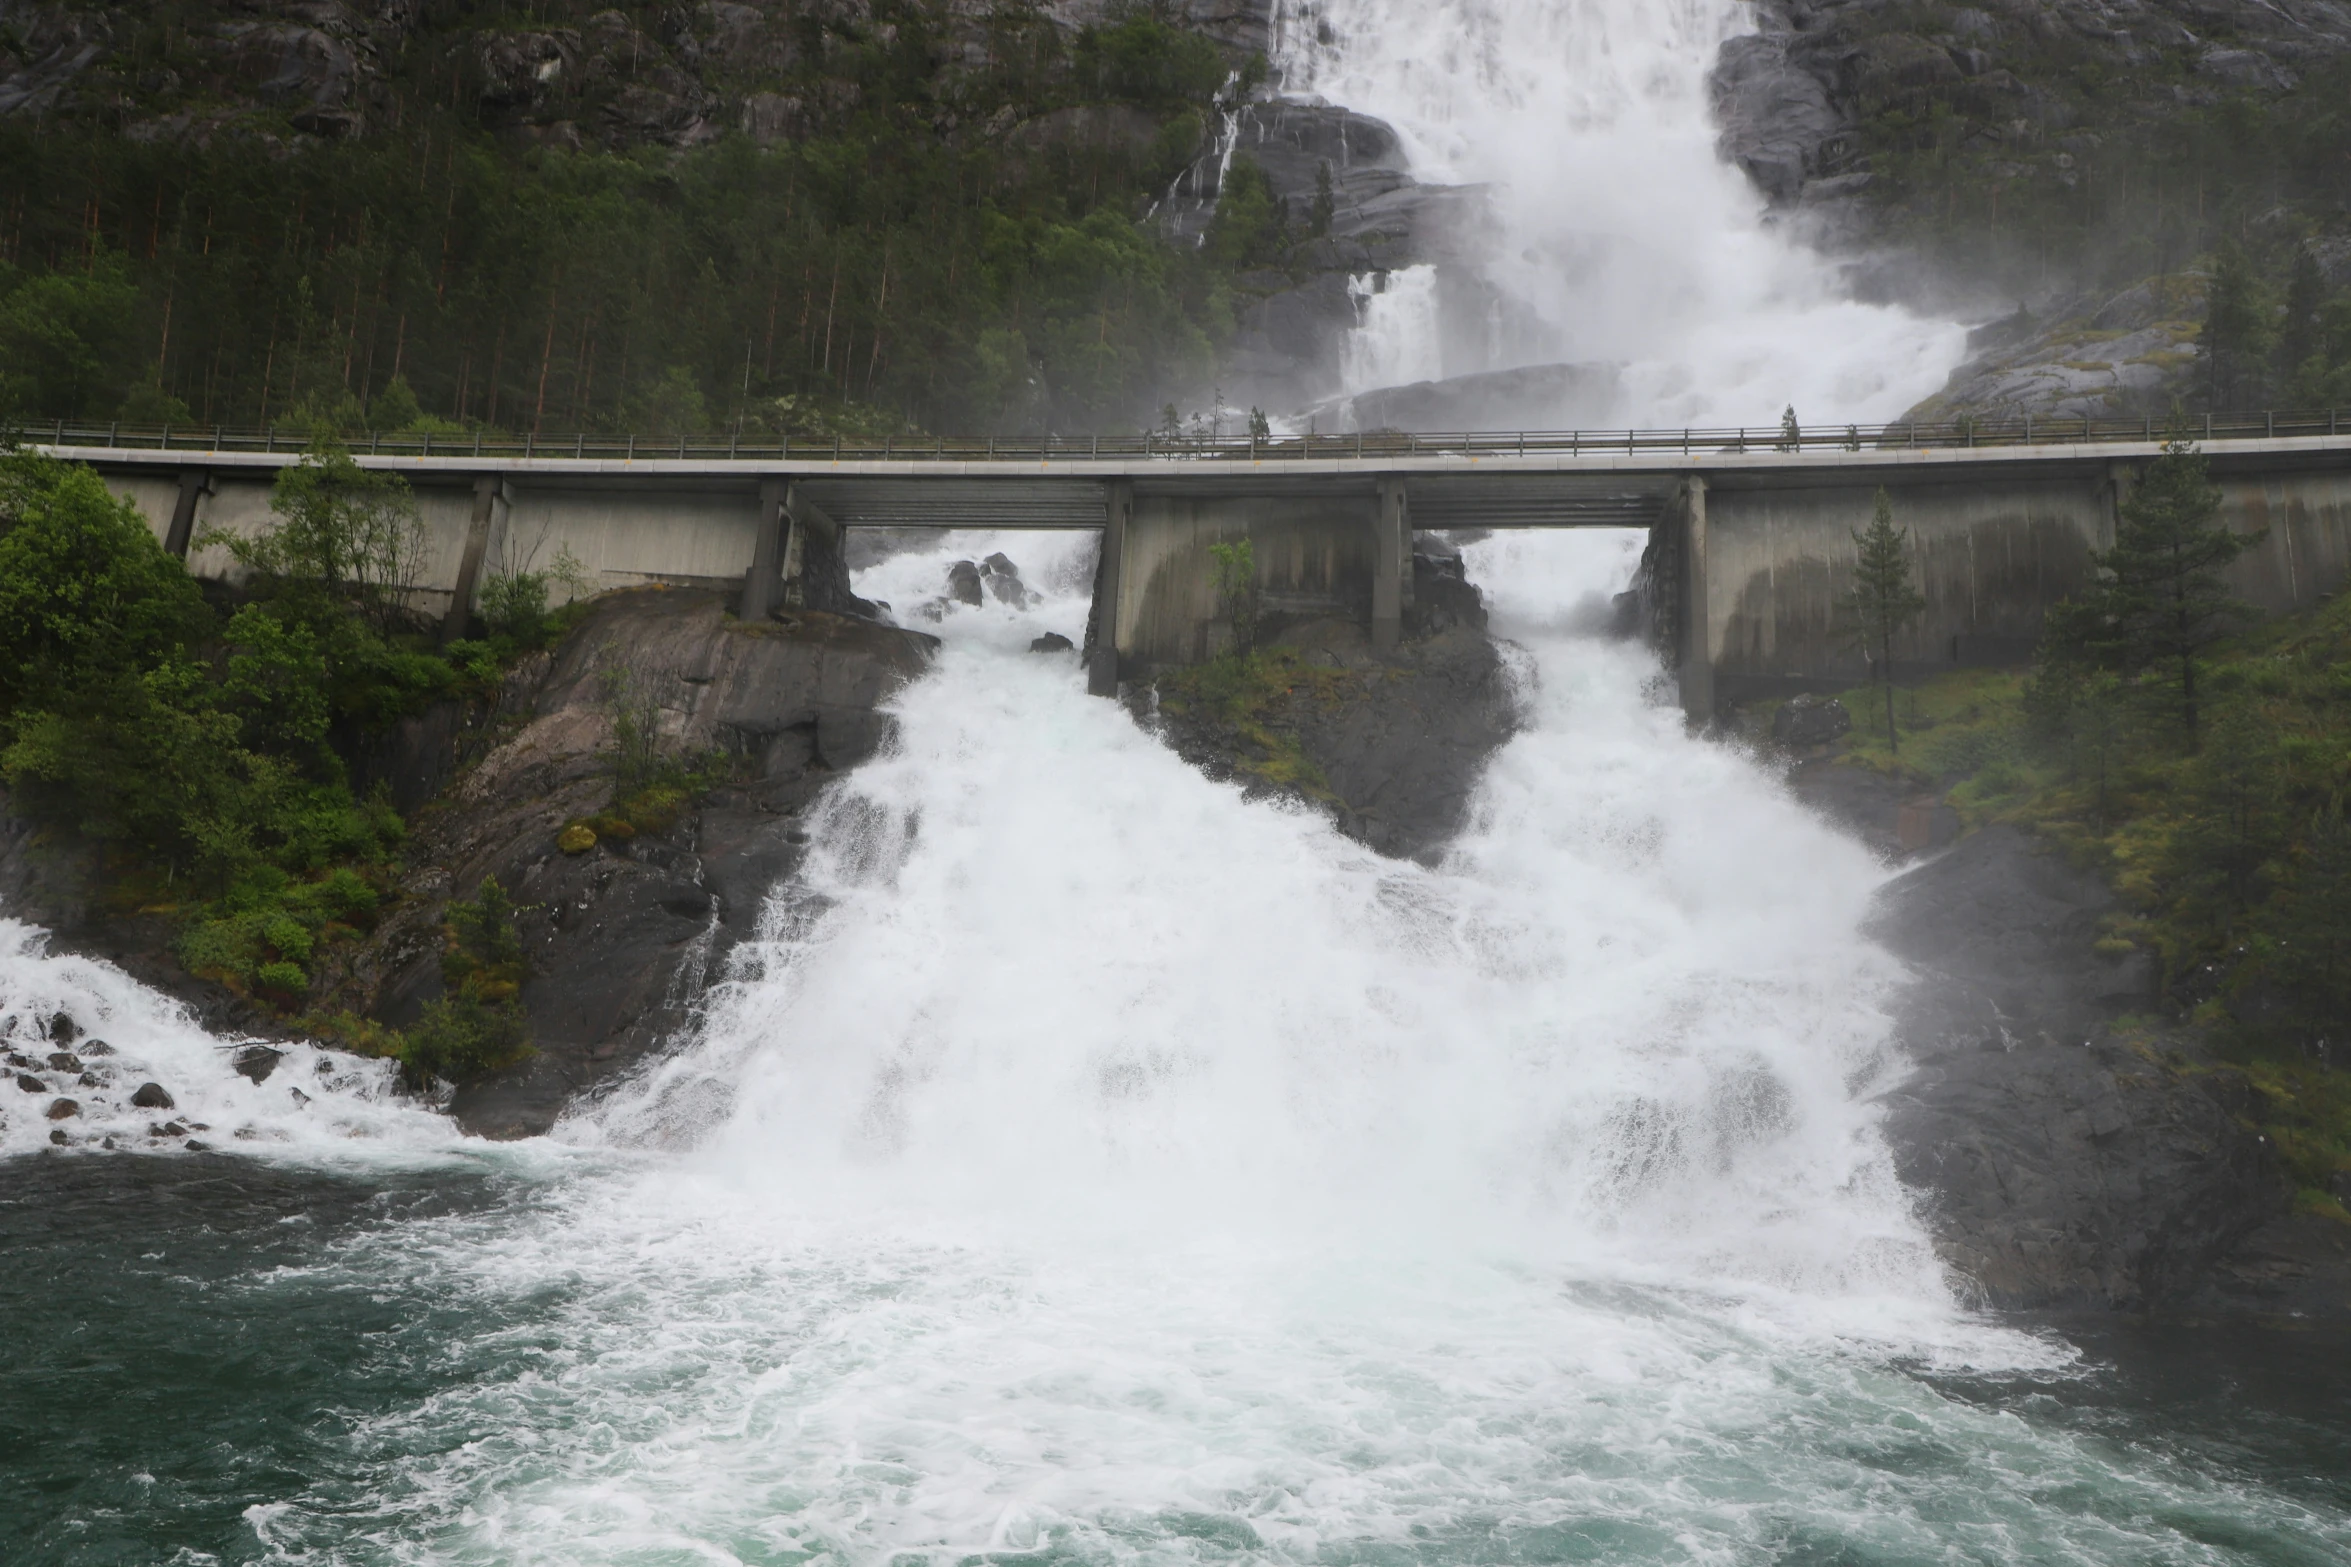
[[1091, 1164]]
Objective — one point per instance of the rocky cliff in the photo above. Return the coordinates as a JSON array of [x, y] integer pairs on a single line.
[[2080, 157], [1389, 744], [621, 932], [2072, 1152]]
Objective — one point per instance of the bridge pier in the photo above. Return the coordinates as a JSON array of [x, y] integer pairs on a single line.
[[1102, 621], [1696, 653], [195, 484], [1391, 570], [765, 579], [489, 494]]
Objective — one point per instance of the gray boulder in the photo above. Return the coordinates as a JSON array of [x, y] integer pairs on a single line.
[[1810, 720]]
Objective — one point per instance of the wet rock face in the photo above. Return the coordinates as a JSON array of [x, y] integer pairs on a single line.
[[621, 938], [1398, 739], [1810, 720], [321, 63], [2087, 356], [2062, 1167]]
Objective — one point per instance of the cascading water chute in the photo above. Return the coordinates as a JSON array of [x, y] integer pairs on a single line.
[[1613, 233]]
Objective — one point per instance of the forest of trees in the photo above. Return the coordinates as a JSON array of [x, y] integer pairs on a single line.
[[877, 272]]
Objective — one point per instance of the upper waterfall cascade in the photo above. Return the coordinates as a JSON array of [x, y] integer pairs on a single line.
[[1614, 233]]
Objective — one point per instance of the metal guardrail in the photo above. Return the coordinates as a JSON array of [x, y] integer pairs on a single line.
[[1374, 444]]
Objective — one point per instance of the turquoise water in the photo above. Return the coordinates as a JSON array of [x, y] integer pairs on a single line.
[[194, 1363]]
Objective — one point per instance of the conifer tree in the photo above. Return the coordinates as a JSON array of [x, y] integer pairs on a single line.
[[1318, 216], [2240, 331], [2159, 601], [1883, 600], [2300, 331]]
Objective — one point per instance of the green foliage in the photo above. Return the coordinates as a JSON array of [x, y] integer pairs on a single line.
[[856, 262], [477, 1025], [344, 535], [1248, 230], [1235, 567], [1140, 56], [395, 407], [633, 707], [2312, 914], [88, 599], [1325, 207], [2159, 601], [277, 684], [65, 338], [1250, 695], [2233, 863], [1882, 601], [2240, 331], [266, 933], [2234, 860]]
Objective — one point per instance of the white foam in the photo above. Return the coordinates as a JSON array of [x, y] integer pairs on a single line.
[[312, 1105]]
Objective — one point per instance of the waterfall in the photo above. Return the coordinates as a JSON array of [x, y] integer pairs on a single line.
[[1614, 233], [1397, 337], [1037, 966], [1088, 1163]]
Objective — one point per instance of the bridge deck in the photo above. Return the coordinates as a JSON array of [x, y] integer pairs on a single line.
[[1483, 481]]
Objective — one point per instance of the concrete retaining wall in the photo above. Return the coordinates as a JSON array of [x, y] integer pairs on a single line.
[[1991, 556], [622, 538], [1314, 556]]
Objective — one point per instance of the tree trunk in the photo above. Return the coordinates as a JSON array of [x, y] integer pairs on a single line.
[[1886, 673]]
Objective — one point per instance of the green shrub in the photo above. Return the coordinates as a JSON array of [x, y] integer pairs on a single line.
[[281, 979], [514, 605], [460, 1038], [478, 1025]]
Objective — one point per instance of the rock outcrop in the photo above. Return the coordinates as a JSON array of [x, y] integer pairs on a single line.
[[619, 936], [2066, 1161], [1391, 744], [619, 939], [2034, 109], [2083, 357]]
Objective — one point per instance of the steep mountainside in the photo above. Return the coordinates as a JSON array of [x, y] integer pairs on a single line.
[[565, 214], [2101, 176]]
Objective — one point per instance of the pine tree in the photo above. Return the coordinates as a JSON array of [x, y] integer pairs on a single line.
[[1883, 600], [2300, 335], [1791, 433], [1326, 206], [2240, 330], [2160, 600]]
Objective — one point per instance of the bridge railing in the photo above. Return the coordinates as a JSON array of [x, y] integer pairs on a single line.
[[737, 446]]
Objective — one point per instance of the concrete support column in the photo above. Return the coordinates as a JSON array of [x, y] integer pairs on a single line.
[[760, 585], [2121, 479], [1118, 514], [808, 524], [195, 484], [1697, 629], [1391, 559], [488, 491]]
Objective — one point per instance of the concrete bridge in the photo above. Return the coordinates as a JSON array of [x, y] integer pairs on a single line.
[[1750, 530]]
